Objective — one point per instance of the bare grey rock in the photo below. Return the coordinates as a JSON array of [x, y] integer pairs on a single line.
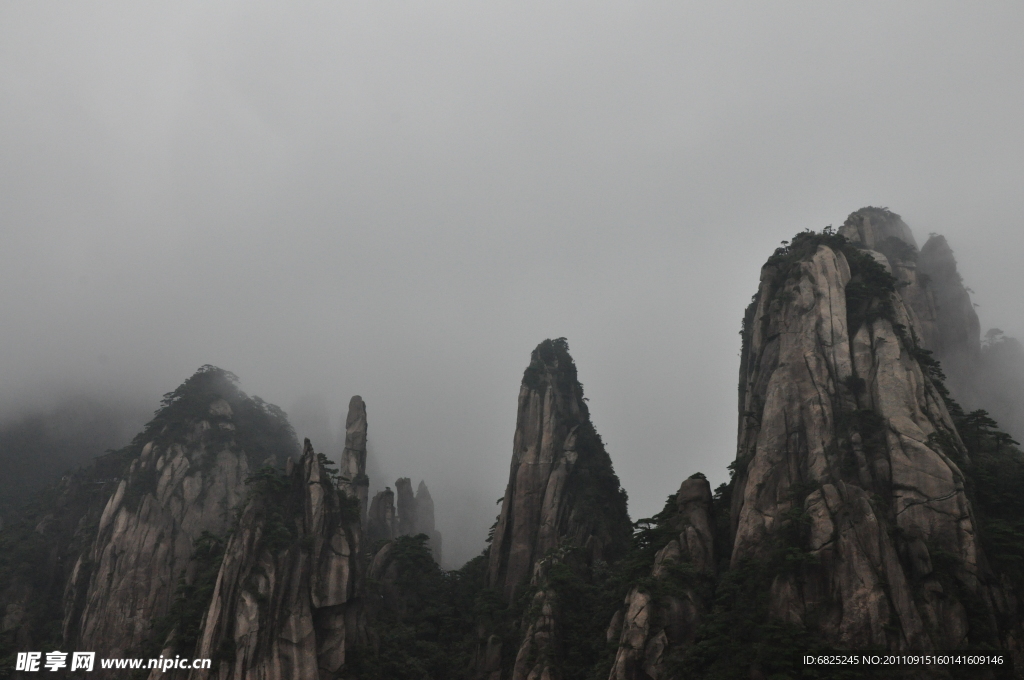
[[353, 459], [647, 627], [843, 423], [173, 492], [415, 514], [425, 520], [406, 507], [874, 229], [287, 608], [956, 335], [538, 651], [543, 505], [932, 291], [382, 522]]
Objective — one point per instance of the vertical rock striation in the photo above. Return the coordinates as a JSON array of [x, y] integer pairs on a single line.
[[932, 290], [650, 624], [561, 488], [956, 336], [425, 520], [284, 606], [563, 512], [186, 476], [354, 481], [382, 524], [406, 507], [844, 432]]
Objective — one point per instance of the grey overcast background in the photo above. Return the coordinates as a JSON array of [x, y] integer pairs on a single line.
[[401, 199]]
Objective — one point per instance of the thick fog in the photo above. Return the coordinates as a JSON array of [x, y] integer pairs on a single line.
[[400, 200]]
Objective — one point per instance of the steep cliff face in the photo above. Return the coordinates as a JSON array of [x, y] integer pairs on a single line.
[[285, 602], [382, 522], [932, 291], [956, 337], [561, 488], [663, 615], [406, 507], [538, 653], [186, 476], [845, 455], [425, 520], [563, 516], [354, 481]]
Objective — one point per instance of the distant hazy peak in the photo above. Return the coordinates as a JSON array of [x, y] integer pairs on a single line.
[[871, 227]]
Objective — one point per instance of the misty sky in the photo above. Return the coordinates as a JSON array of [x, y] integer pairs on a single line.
[[400, 200]]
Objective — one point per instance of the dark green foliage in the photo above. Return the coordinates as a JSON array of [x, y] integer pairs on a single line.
[[143, 482], [191, 600], [929, 365], [587, 599], [869, 292], [260, 429], [994, 477], [739, 635], [26, 558], [330, 467], [721, 511], [350, 509], [896, 249], [275, 503], [39, 546], [551, 362], [598, 497], [426, 618], [650, 535]]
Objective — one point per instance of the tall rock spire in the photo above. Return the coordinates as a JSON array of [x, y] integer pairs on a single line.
[[406, 507], [932, 291], [956, 335], [382, 524], [354, 481], [561, 487], [843, 427], [285, 600], [425, 519]]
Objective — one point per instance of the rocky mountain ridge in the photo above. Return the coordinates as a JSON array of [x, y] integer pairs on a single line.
[[867, 510]]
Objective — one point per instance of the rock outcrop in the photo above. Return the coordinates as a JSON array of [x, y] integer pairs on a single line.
[[842, 428], [425, 520], [354, 481], [538, 653], [561, 488], [650, 624], [932, 290], [406, 507], [285, 603], [956, 335], [382, 522], [414, 514], [186, 476], [563, 512]]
